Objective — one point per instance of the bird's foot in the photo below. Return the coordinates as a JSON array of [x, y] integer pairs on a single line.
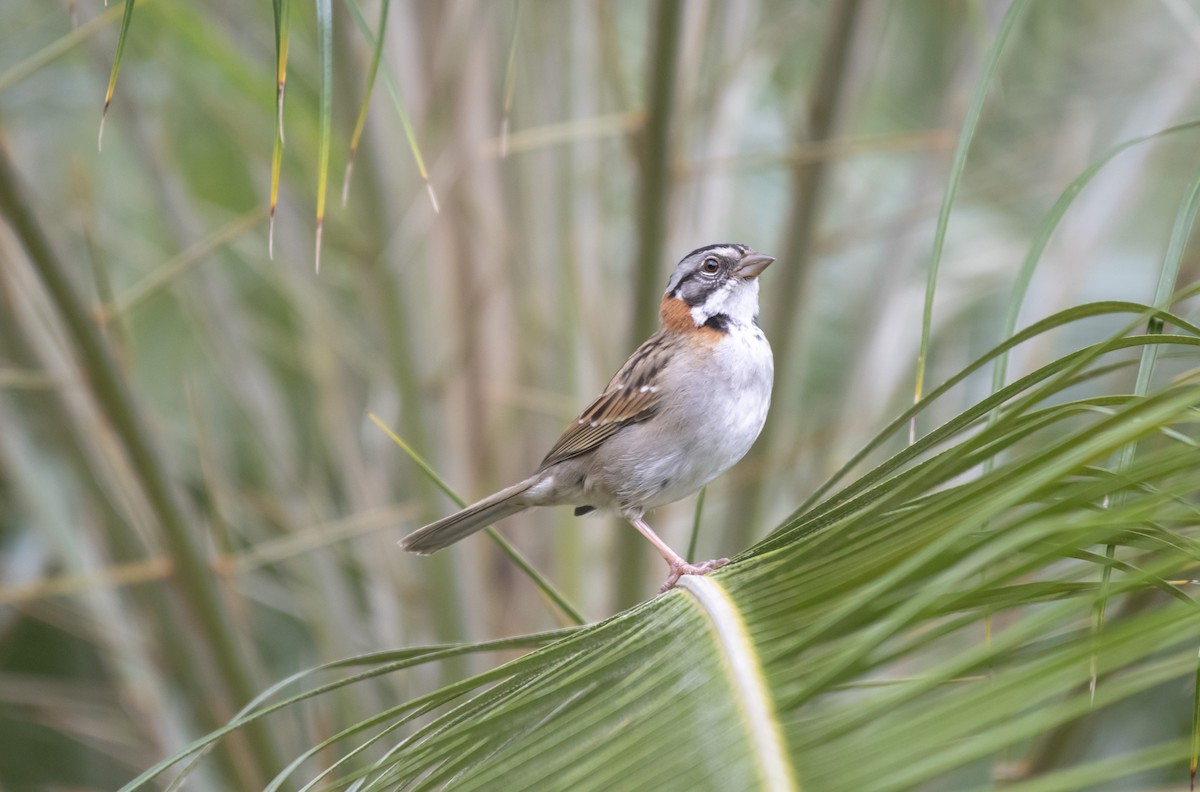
[[681, 569]]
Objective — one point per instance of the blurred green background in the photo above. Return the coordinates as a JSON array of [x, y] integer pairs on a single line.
[[819, 132]]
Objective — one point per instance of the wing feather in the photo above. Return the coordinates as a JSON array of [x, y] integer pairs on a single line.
[[630, 397]]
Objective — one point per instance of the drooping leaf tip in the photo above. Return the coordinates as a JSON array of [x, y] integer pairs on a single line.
[[100, 134], [320, 228], [346, 177]]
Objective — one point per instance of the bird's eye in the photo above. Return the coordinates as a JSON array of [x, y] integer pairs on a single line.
[[710, 266]]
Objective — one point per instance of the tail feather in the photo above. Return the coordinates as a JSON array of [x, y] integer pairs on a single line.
[[476, 517]]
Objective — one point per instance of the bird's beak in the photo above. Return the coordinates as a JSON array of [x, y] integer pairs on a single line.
[[752, 265]]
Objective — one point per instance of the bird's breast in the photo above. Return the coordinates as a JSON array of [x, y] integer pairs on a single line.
[[732, 392], [720, 403], [714, 400]]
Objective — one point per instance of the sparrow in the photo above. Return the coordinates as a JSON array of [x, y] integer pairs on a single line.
[[685, 406]]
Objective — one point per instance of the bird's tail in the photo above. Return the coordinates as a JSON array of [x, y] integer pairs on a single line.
[[476, 517]]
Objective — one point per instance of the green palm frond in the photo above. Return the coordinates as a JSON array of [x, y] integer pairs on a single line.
[[197, 516], [847, 650]]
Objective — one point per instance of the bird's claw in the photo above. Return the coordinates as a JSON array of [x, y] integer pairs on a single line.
[[679, 570]]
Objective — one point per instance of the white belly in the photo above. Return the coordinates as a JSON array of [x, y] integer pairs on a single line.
[[716, 410]]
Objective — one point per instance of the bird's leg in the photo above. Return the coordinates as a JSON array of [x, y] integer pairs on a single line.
[[679, 567]]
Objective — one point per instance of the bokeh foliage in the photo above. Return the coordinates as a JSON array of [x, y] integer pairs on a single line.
[[819, 132]]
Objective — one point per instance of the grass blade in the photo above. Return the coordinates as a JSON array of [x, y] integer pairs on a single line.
[[325, 49], [282, 9], [1050, 225], [361, 122], [58, 48], [1195, 727], [538, 579], [966, 135], [385, 663], [126, 18], [162, 277], [510, 82], [409, 134], [1169, 274], [115, 397]]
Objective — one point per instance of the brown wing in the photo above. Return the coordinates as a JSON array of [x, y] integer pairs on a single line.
[[631, 396]]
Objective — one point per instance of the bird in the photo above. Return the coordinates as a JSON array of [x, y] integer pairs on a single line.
[[683, 409]]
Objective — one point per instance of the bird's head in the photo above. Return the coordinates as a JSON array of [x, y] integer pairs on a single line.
[[718, 283]]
